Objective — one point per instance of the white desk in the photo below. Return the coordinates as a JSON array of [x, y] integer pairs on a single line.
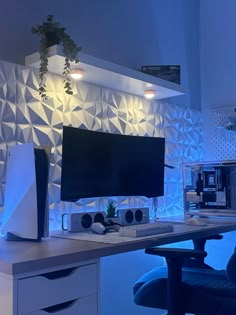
[[36, 277]]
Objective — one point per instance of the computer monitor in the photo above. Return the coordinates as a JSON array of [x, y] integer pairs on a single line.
[[25, 213], [98, 164]]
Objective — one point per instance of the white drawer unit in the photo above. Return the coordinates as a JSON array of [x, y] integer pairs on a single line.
[[39, 294], [83, 306]]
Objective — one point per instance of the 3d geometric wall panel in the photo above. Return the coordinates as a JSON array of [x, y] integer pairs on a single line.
[[25, 118]]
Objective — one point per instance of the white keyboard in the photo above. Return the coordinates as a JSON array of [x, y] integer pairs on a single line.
[[146, 229]]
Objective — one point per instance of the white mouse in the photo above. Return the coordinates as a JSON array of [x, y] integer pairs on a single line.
[[194, 221], [98, 228]]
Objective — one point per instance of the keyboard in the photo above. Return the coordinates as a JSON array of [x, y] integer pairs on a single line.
[[146, 229]]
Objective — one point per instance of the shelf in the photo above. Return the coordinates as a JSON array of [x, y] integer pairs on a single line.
[[109, 75]]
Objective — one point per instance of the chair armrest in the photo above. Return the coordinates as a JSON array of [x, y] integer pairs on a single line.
[[215, 237], [179, 253], [175, 258], [199, 243]]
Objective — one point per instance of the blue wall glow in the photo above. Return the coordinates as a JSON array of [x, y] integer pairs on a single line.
[[218, 51], [218, 77]]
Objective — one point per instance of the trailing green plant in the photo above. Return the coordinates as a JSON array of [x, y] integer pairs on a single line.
[[51, 33], [111, 209]]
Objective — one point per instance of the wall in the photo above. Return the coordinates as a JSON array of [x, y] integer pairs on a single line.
[[131, 33], [24, 118], [218, 76], [219, 139], [218, 50]]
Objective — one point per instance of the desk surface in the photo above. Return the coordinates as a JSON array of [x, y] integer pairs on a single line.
[[21, 257]]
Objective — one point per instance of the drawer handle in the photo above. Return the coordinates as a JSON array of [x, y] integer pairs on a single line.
[[62, 221], [59, 274], [59, 307]]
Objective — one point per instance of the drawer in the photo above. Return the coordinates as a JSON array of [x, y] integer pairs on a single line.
[[84, 306], [39, 292]]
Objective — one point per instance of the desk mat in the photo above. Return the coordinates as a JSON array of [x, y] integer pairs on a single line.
[[108, 238], [116, 238]]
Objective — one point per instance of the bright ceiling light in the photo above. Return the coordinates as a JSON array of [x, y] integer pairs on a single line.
[[76, 74], [149, 94]]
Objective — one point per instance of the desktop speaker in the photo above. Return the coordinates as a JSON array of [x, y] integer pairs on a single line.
[[133, 216], [82, 221]]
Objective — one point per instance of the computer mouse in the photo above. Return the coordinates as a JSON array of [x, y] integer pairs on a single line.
[[194, 221], [98, 228]]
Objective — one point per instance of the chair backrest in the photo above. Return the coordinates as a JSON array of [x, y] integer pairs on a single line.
[[231, 268]]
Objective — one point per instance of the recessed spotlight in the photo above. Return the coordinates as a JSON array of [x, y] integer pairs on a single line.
[[76, 74], [149, 94]]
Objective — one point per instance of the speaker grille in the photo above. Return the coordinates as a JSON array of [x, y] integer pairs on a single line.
[[133, 216]]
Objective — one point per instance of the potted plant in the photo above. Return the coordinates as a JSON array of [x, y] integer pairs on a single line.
[[51, 33], [112, 215], [111, 210]]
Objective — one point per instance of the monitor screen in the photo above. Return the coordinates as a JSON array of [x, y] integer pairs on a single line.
[[98, 164]]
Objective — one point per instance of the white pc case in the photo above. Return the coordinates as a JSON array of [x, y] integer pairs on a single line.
[[210, 189]]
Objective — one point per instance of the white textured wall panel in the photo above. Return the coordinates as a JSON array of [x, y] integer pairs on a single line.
[[25, 118]]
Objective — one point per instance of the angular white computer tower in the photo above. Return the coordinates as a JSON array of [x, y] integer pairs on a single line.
[[25, 213]]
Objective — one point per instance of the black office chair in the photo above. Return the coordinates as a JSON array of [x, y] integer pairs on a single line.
[[187, 284]]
